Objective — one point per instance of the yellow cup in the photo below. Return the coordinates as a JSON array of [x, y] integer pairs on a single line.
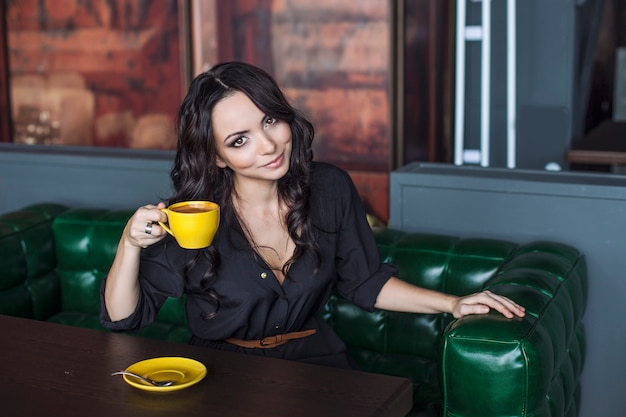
[[192, 223]]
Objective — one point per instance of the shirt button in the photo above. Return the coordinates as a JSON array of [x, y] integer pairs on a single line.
[[276, 327], [263, 275]]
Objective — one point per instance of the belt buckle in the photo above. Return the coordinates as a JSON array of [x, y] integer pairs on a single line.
[[270, 340]]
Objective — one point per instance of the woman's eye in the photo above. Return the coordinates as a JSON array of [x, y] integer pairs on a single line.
[[239, 141], [270, 121]]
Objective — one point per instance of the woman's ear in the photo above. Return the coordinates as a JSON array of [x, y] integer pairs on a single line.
[[220, 162]]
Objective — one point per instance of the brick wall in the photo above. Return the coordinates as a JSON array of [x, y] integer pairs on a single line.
[[108, 73], [333, 60], [96, 68]]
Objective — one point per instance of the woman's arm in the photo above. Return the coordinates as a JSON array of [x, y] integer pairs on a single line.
[[121, 292], [398, 295]]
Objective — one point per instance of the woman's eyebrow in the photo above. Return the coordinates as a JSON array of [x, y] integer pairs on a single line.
[[235, 134], [263, 118]]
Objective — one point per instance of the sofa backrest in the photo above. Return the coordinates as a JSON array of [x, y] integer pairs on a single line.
[[27, 262], [438, 262], [86, 243], [406, 344]]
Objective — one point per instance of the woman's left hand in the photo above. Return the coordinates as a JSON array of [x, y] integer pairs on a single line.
[[483, 302]]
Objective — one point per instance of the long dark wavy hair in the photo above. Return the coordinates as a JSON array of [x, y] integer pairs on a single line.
[[196, 176]]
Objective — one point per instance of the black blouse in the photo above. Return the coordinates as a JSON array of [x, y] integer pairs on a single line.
[[252, 302]]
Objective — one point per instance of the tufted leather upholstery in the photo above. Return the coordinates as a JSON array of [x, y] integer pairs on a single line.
[[28, 283], [478, 366], [53, 260]]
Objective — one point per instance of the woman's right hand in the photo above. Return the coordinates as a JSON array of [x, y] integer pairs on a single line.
[[121, 292], [143, 221]]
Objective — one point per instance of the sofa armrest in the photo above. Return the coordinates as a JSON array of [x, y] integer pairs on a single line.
[[493, 366]]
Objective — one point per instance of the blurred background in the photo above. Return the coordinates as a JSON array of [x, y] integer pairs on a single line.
[[377, 77]]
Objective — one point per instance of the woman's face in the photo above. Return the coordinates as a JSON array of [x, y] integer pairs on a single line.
[[249, 142]]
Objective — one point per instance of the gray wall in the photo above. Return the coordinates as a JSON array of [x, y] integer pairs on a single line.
[[587, 211], [82, 177]]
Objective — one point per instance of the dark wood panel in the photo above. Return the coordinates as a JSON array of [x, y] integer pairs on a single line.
[[426, 86], [612, 35], [5, 98]]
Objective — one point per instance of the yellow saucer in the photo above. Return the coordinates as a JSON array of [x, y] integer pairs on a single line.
[[183, 371]]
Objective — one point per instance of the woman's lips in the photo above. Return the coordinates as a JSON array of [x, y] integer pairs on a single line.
[[276, 162]]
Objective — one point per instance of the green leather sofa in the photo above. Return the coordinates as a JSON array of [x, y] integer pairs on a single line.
[[53, 258]]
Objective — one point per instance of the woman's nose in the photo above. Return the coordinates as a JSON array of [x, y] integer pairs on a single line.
[[268, 144]]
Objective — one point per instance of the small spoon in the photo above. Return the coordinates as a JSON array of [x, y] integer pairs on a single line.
[[144, 378]]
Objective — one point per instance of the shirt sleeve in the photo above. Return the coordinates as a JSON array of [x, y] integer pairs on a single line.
[[161, 275], [361, 273]]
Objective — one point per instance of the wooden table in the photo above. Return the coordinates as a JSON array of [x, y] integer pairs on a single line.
[[57, 370]]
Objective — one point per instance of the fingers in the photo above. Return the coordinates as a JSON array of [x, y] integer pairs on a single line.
[[509, 305], [482, 302], [470, 309], [142, 229], [504, 305]]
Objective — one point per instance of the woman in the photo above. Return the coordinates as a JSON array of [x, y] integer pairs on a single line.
[[291, 231]]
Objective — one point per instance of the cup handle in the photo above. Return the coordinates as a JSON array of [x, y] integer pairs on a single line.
[[163, 225]]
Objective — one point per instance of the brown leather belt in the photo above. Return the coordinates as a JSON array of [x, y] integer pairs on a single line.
[[271, 341]]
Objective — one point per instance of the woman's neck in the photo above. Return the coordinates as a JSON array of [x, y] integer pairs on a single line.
[[255, 194], [262, 217]]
